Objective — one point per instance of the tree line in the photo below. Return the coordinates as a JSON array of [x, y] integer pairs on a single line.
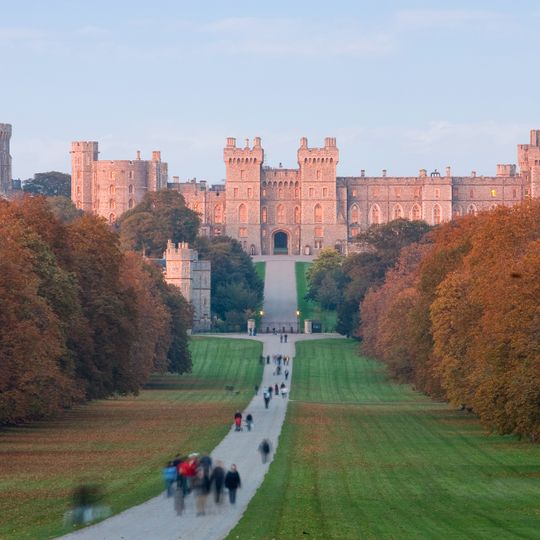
[[458, 317], [79, 318]]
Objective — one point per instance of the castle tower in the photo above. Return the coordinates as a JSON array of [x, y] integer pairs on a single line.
[[320, 225], [83, 156], [243, 193], [5, 159]]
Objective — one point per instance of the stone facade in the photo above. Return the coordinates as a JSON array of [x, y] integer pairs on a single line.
[[300, 211], [5, 160], [109, 188], [192, 276]]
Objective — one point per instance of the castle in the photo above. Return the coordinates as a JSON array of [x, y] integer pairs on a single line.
[[301, 210], [5, 159], [192, 276]]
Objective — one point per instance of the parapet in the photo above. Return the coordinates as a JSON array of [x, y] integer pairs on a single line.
[[506, 169], [5, 131]]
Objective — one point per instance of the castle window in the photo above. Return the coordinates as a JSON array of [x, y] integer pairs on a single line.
[[457, 211], [264, 192], [436, 214], [318, 213], [437, 193], [112, 204], [131, 174], [112, 218], [280, 193], [493, 192], [398, 212], [264, 214], [264, 184], [242, 232], [235, 192], [131, 203], [250, 193], [218, 213], [514, 193], [280, 213], [354, 193], [471, 193], [375, 215], [416, 213], [296, 193], [318, 232], [318, 244], [311, 192], [79, 204], [78, 190], [297, 215], [397, 192], [111, 190], [417, 192], [130, 189], [242, 213], [526, 193], [354, 213], [325, 192], [354, 231], [471, 210]]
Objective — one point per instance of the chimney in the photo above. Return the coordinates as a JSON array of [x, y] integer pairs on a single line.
[[303, 142], [362, 173], [139, 155], [384, 173], [448, 171], [156, 155], [257, 142], [329, 142], [231, 142]]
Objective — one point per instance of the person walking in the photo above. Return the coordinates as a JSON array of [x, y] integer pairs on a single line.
[[238, 421], [266, 397], [283, 391], [216, 479], [232, 483], [270, 390], [264, 448], [249, 421], [286, 374], [276, 390], [169, 477], [201, 487]]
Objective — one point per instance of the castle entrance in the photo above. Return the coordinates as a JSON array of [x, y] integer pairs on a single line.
[[281, 243]]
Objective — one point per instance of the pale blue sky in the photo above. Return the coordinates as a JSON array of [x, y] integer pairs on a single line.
[[403, 85]]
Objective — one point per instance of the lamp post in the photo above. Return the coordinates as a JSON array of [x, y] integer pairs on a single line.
[[297, 321]]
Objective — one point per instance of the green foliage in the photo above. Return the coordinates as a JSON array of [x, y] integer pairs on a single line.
[[63, 208], [359, 457], [161, 216], [50, 184], [325, 279], [236, 288]]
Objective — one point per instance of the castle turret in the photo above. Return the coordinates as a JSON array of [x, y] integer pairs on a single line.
[[243, 192], [5, 159], [83, 155]]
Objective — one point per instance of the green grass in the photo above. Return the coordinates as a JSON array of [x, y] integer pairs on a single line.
[[308, 308], [122, 443], [260, 268], [360, 457]]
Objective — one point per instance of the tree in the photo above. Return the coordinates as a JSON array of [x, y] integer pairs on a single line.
[[52, 183], [161, 216], [63, 208], [325, 279]]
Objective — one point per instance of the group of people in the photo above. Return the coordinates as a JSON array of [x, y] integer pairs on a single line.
[[198, 475]]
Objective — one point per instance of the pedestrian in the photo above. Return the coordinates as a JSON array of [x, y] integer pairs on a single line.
[[232, 483], [286, 374], [283, 391], [216, 479], [280, 338], [188, 470], [256, 389], [179, 500], [286, 338], [266, 397], [249, 421], [206, 463], [201, 487], [270, 390], [169, 477], [264, 449], [238, 421], [276, 390]]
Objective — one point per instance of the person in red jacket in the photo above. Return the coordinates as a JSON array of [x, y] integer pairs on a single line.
[[238, 421]]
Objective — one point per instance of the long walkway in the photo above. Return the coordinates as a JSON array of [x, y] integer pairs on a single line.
[[156, 518]]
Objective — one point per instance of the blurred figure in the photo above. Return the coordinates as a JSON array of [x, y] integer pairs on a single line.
[[169, 477], [270, 390], [188, 468], [283, 390], [256, 389], [276, 390], [201, 488], [286, 374], [179, 500], [232, 483], [217, 479], [266, 397], [206, 463], [264, 448], [249, 421], [238, 421], [87, 505]]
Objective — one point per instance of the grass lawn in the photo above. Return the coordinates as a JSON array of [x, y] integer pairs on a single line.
[[360, 457], [122, 443], [309, 309], [260, 268]]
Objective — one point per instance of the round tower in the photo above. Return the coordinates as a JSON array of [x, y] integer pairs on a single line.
[[5, 158]]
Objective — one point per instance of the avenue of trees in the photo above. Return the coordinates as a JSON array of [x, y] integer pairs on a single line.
[[79, 318], [458, 317]]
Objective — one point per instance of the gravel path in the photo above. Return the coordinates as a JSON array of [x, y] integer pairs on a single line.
[[156, 519]]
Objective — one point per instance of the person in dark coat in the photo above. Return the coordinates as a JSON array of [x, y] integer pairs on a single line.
[[266, 397], [232, 483], [217, 479], [264, 448], [276, 390]]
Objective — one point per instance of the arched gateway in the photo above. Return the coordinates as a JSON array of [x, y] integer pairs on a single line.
[[281, 243]]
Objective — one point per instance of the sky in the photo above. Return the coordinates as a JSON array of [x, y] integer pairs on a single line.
[[402, 85]]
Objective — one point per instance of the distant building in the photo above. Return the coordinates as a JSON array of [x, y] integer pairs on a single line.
[[300, 211], [192, 276], [108, 188], [5, 160]]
